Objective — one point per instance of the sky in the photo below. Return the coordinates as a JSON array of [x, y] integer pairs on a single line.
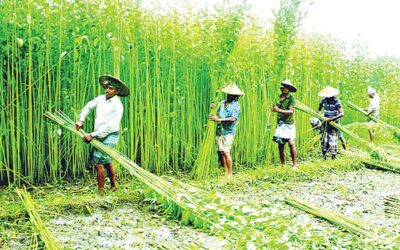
[[372, 23]]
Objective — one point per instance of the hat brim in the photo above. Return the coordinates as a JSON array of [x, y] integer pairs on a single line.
[[328, 94], [291, 88], [233, 93], [232, 89], [123, 90]]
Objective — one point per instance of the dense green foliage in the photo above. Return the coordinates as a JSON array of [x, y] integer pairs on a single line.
[[52, 54]]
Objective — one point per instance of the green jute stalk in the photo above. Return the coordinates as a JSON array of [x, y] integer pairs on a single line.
[[45, 234], [190, 204], [202, 166], [394, 129], [357, 227], [389, 166], [185, 202], [374, 151]]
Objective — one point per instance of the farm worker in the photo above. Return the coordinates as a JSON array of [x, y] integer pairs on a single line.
[[332, 112], [373, 109], [228, 113], [109, 111], [285, 130], [317, 127]]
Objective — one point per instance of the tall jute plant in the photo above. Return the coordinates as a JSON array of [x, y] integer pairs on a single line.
[[165, 59], [287, 21], [223, 46]]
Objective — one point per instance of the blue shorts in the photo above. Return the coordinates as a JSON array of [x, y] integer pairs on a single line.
[[98, 157]]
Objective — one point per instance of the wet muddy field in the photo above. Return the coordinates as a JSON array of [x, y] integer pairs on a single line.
[[358, 194]]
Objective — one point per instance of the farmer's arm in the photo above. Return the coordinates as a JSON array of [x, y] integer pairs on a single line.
[[341, 113], [290, 111], [85, 112], [217, 119], [233, 117], [372, 107]]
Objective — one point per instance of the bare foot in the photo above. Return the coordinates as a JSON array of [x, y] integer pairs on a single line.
[[229, 176], [101, 192], [114, 188]]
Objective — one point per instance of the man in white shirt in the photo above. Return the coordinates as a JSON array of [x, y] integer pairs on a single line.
[[373, 109], [109, 110]]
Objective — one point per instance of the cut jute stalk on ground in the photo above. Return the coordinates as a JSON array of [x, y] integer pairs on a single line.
[[392, 205], [357, 227], [45, 235], [369, 161]]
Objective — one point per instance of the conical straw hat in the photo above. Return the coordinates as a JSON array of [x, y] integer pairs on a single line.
[[289, 85], [232, 89], [328, 91], [123, 89]]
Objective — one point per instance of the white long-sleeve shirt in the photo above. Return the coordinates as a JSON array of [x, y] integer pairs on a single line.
[[374, 106], [108, 115]]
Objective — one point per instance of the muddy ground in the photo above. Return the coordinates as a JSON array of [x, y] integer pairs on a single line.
[[138, 225]]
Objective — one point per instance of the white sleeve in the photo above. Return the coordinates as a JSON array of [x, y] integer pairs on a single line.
[[86, 110], [374, 105]]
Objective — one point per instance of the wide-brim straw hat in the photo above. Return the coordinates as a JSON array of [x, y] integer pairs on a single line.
[[232, 89], [328, 91], [289, 85], [122, 88]]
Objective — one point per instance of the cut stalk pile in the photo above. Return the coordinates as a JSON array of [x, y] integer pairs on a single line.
[[352, 225], [369, 161], [202, 165], [45, 235], [392, 205]]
